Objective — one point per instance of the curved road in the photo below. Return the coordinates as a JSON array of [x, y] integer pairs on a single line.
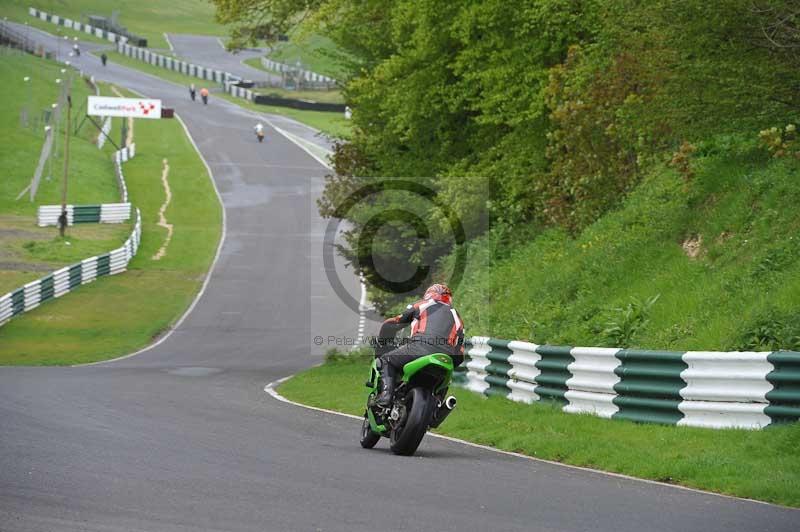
[[182, 437], [206, 50]]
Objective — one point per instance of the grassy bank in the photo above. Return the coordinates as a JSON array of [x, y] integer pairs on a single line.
[[27, 251], [720, 252], [118, 314], [755, 464], [148, 18], [315, 52]]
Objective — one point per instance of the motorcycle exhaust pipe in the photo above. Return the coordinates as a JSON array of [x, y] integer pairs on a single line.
[[444, 410]]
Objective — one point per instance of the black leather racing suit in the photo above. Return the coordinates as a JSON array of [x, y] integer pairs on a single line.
[[436, 327]]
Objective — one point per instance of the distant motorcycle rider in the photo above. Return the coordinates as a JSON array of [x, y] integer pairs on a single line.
[[436, 327], [259, 131]]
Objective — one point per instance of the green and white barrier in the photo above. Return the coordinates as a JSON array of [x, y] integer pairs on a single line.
[[176, 65], [77, 26], [68, 278], [695, 388], [239, 92], [307, 75], [71, 277], [107, 213]]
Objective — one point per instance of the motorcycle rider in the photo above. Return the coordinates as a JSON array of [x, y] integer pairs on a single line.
[[259, 131], [436, 327]]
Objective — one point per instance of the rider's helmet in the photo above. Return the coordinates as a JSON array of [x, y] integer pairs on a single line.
[[439, 292]]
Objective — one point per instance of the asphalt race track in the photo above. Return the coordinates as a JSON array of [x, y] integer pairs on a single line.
[[207, 50], [182, 437]]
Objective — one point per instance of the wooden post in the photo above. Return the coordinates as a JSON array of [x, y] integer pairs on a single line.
[[63, 218]]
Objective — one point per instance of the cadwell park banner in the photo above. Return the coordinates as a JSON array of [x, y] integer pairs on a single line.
[[132, 107]]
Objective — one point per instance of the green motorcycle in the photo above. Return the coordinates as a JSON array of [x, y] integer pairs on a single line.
[[419, 402]]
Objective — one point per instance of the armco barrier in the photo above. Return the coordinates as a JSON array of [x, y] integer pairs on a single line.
[[297, 104], [108, 213], [700, 389], [170, 63], [307, 75], [68, 278], [77, 26]]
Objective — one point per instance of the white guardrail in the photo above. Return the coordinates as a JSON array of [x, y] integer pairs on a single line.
[[105, 131], [71, 277], [307, 75]]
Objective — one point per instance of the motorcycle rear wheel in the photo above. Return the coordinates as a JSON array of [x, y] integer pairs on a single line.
[[406, 439]]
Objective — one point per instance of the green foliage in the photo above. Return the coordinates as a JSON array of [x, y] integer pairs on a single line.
[[771, 331], [602, 132], [359, 355], [626, 322], [549, 287], [781, 142]]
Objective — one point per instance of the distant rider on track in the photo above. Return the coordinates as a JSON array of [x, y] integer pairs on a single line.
[[259, 132]]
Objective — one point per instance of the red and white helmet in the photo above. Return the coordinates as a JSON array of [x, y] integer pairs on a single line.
[[439, 292]]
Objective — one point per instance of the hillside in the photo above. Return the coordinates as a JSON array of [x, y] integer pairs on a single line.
[[720, 254]]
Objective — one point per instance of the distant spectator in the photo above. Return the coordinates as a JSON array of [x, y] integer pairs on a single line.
[[204, 95], [103, 58], [192, 92], [348, 113]]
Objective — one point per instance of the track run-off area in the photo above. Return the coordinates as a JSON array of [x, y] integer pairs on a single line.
[[183, 437]]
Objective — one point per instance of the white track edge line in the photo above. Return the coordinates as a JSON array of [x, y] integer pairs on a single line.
[[270, 389], [209, 274], [169, 43]]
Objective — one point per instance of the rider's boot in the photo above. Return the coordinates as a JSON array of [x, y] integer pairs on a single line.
[[387, 388]]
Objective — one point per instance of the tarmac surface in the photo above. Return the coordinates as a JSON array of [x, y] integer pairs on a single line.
[[207, 50], [182, 437]]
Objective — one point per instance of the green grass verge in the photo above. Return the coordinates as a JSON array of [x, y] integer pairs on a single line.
[[147, 18], [333, 124], [27, 252], [118, 314], [721, 252], [315, 52], [163, 73], [761, 465]]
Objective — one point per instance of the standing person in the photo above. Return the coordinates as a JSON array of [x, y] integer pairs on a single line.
[[192, 92], [103, 58], [259, 132], [204, 95]]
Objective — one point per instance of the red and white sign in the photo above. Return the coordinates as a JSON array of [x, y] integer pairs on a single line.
[[135, 107]]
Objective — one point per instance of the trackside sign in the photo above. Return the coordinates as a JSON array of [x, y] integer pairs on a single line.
[[134, 107]]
